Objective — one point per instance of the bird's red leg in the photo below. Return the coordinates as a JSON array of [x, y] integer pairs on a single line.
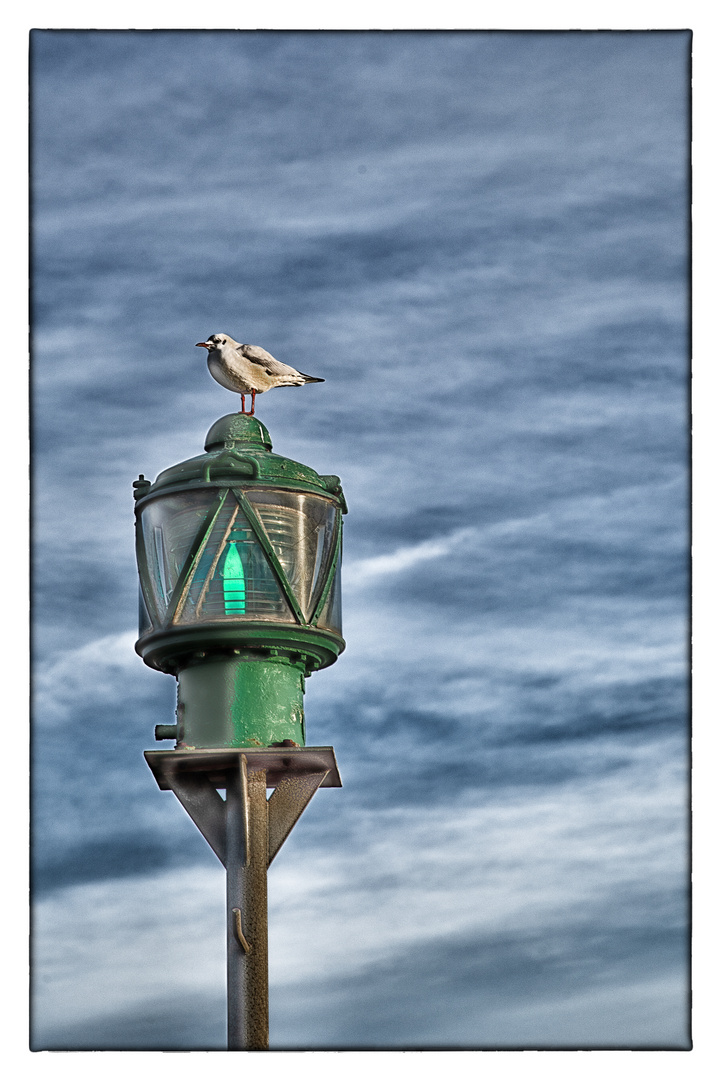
[[252, 407], [242, 403]]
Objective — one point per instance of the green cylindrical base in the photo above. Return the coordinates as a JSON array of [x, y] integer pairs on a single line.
[[237, 701]]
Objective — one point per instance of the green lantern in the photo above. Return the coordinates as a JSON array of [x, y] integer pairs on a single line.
[[239, 553]]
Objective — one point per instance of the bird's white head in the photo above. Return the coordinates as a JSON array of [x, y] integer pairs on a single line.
[[215, 341]]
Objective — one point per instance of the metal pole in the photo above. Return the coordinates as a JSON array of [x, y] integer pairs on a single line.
[[247, 908], [246, 832]]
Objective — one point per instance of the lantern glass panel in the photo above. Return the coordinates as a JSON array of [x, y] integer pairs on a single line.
[[169, 528], [301, 528], [144, 623], [330, 615], [233, 578]]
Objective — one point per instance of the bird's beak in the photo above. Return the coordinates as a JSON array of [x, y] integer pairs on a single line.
[[203, 345]]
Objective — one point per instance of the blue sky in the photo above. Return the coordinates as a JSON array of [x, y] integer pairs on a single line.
[[479, 240]]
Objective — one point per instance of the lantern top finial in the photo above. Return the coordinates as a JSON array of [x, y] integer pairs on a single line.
[[238, 430]]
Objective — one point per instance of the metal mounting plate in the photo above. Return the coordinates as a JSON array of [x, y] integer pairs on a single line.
[[278, 762]]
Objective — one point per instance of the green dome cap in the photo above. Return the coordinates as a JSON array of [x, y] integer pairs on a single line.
[[238, 431]]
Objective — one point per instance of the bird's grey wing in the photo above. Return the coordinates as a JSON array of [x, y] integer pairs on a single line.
[[263, 359]]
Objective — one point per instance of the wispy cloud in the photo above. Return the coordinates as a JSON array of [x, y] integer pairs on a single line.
[[93, 673], [358, 574]]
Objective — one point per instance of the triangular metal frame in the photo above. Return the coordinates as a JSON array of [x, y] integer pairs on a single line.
[[200, 799], [182, 586], [195, 778]]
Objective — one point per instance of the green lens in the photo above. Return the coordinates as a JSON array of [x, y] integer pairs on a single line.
[[233, 581]]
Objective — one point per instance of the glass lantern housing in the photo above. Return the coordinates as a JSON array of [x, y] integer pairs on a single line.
[[225, 554], [239, 555]]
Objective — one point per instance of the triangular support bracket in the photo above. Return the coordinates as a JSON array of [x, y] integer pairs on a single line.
[[197, 776]]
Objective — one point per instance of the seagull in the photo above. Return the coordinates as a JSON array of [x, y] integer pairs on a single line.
[[248, 369]]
